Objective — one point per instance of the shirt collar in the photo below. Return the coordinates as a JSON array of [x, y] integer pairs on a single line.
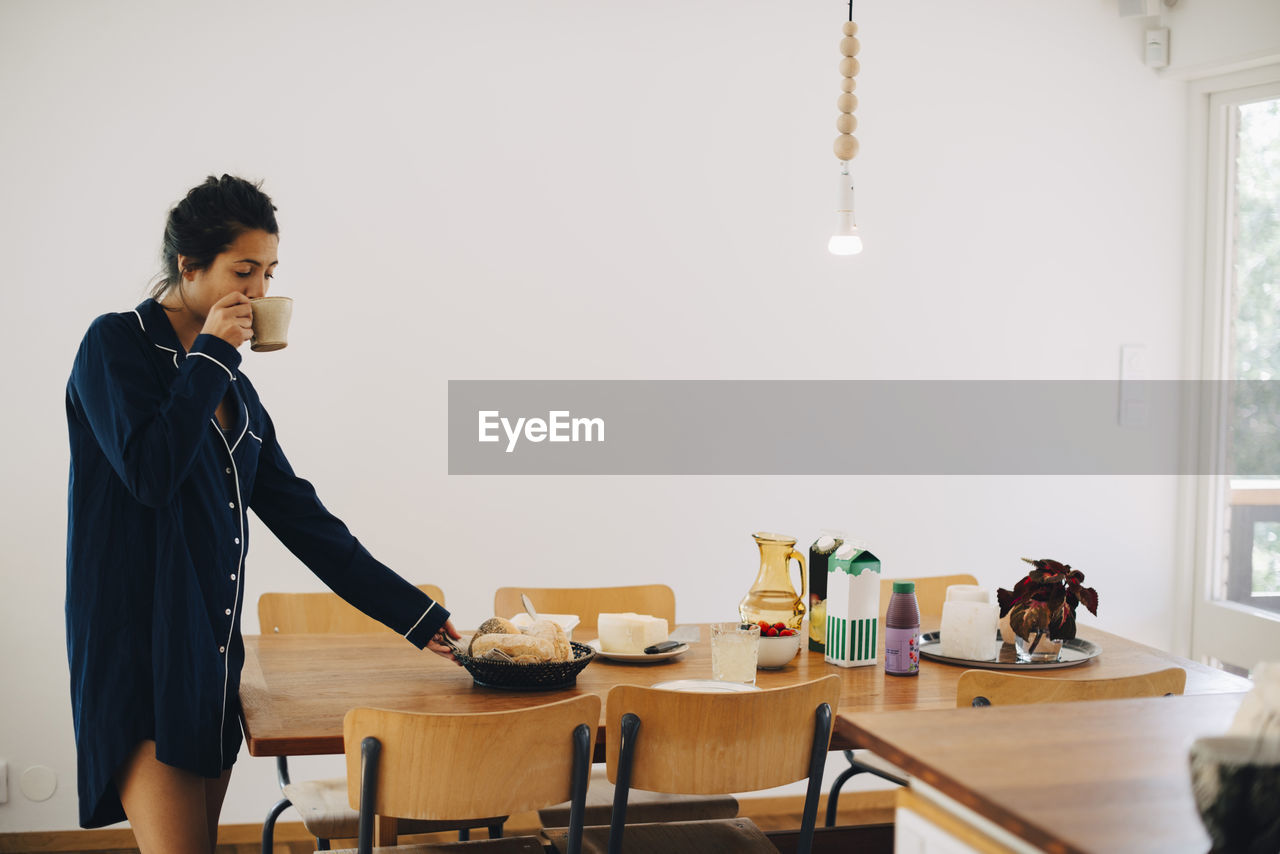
[[155, 324]]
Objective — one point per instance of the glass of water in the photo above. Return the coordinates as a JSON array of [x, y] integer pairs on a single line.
[[734, 648]]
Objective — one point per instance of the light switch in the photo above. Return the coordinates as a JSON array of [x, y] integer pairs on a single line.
[[1156, 51], [1134, 406]]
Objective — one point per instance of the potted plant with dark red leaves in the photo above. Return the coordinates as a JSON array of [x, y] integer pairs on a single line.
[[1042, 608]]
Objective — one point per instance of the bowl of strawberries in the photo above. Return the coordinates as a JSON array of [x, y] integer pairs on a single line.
[[778, 646]]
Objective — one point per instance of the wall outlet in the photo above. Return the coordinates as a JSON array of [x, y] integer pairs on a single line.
[[4, 781]]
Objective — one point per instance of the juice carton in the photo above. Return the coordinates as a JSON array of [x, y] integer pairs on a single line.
[[853, 607]]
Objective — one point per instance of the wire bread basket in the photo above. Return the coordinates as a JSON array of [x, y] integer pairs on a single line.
[[551, 676]]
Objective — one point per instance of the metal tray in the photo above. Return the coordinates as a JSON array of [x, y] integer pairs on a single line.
[[1074, 652]]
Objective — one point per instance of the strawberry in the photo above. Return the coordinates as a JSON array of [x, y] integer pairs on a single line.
[[773, 633], [779, 626], [787, 632], [764, 627]]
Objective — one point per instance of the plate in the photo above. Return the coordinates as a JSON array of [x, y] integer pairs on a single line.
[[1074, 652], [706, 686], [638, 658]]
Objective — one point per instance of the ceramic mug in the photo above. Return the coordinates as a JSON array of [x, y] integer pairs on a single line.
[[271, 317]]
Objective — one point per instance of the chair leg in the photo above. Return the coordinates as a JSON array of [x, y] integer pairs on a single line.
[[630, 729], [464, 834], [578, 786], [323, 845], [495, 830], [370, 754], [269, 826], [817, 762], [834, 798]]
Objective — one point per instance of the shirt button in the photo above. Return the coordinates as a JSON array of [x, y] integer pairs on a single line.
[[228, 471], [228, 612], [237, 541], [222, 649], [233, 576], [231, 504]]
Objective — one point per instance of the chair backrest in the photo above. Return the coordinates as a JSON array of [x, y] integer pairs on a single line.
[[461, 766], [718, 743], [931, 591], [656, 600], [998, 688], [694, 743], [320, 613]]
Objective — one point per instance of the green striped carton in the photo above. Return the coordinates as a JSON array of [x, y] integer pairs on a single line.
[[853, 607]]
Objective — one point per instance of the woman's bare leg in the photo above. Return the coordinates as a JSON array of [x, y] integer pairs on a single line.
[[214, 792], [167, 807]]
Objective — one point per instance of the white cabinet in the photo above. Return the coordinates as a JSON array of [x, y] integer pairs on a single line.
[[928, 822]]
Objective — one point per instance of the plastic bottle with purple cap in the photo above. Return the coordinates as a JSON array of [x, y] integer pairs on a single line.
[[902, 631]]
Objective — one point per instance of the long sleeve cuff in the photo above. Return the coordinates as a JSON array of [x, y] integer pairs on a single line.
[[431, 621], [215, 349]]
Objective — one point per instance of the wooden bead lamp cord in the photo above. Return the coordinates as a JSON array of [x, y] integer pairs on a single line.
[[846, 145]]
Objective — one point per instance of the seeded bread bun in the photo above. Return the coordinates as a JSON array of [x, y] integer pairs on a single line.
[[492, 626], [552, 632], [523, 649]]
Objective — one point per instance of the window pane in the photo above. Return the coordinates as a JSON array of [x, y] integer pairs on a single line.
[[1266, 557], [1253, 566], [1256, 290]]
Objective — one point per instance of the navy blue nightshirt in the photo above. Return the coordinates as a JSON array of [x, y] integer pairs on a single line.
[[156, 541]]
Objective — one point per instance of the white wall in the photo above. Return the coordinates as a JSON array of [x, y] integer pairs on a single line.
[[587, 189]]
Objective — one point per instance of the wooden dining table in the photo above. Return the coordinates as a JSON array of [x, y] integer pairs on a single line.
[[1079, 778], [295, 689]]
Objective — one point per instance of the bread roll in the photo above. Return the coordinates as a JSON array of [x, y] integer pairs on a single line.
[[523, 649], [492, 626], [498, 626], [552, 632]]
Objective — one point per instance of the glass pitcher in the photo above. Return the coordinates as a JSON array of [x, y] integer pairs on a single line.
[[771, 598]]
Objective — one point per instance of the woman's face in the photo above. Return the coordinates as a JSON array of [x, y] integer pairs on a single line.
[[246, 266]]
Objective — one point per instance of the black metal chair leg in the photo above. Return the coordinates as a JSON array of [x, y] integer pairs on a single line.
[[269, 826], [323, 845], [833, 800]]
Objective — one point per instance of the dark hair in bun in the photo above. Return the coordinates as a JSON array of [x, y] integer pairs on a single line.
[[207, 222]]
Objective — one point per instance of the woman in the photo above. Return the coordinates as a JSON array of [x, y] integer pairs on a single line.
[[169, 446]]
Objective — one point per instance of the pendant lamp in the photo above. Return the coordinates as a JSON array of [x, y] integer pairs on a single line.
[[845, 240]]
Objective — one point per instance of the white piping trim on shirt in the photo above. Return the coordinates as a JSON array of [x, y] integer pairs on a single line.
[[420, 619], [226, 656], [245, 430], [215, 361], [157, 346], [256, 436]]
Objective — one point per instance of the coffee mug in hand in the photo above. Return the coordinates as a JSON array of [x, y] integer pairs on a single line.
[[270, 323]]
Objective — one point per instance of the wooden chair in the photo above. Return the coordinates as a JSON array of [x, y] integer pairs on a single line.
[[320, 613], [931, 592], [998, 688], [588, 603], [322, 804], [706, 743], [437, 767]]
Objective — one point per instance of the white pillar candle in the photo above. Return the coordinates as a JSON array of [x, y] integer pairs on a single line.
[[968, 593], [969, 621]]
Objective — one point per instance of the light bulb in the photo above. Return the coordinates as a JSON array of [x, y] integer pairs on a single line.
[[845, 240]]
